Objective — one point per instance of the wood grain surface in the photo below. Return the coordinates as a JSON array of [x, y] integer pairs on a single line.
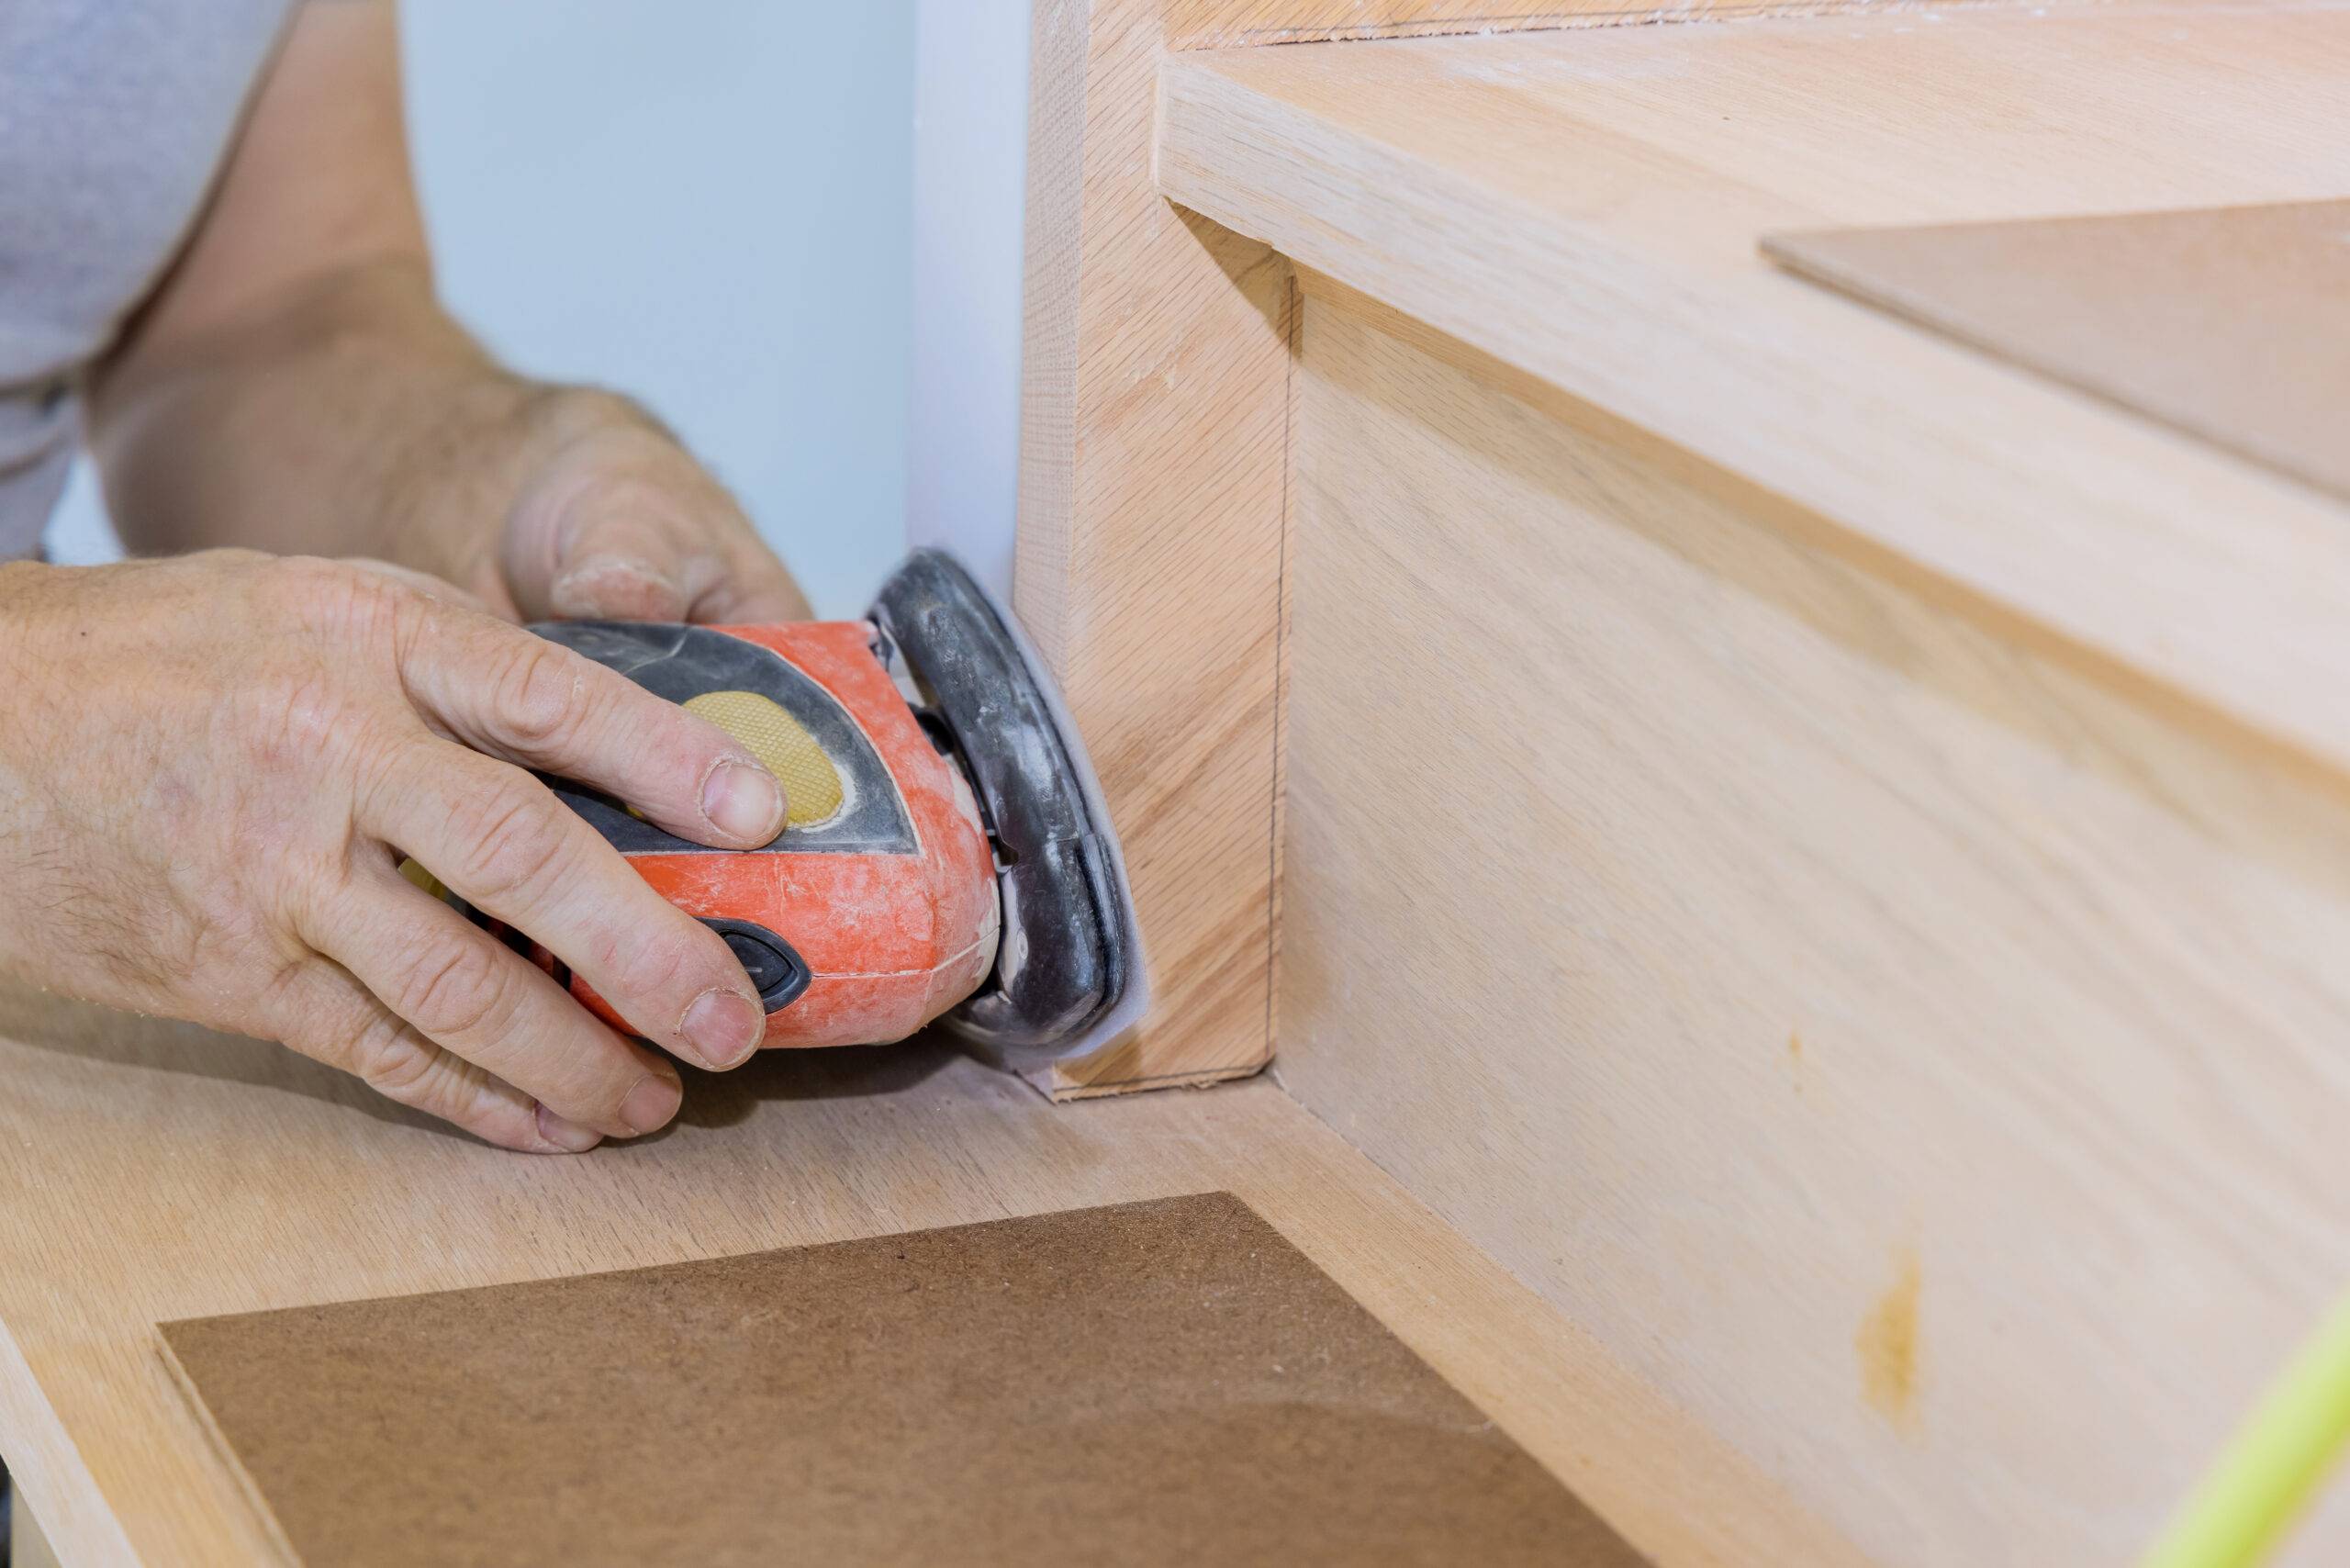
[[1153, 484], [2229, 323], [1922, 1062], [1149, 534], [1214, 24], [1249, 23], [150, 1173], [1585, 206]]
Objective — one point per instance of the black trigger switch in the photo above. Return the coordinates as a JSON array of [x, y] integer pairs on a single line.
[[780, 973]]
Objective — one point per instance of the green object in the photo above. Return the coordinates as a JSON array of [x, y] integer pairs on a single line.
[[2246, 1502]]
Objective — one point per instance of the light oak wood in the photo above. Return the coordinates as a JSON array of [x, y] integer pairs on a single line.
[[1920, 1061], [2228, 323], [1214, 24], [1841, 935], [1153, 373], [1152, 489], [1231, 24], [1585, 206], [150, 1173]]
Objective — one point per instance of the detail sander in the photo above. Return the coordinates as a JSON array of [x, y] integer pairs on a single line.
[[945, 851]]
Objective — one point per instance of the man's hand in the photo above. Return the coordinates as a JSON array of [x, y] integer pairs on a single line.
[[211, 767]]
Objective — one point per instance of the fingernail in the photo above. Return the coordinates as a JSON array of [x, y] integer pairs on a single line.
[[651, 1103], [609, 585], [724, 1026], [567, 1136], [743, 801]]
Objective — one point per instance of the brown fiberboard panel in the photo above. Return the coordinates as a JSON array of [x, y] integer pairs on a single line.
[[1156, 1383], [2229, 323]]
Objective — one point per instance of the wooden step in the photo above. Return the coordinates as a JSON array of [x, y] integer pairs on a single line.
[[1585, 207]]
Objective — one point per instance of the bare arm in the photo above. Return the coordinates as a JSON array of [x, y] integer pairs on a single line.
[[294, 386]]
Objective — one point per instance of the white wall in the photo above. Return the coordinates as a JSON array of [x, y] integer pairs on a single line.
[[970, 162], [707, 206]]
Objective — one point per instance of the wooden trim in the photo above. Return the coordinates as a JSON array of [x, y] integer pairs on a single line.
[[1155, 392], [1153, 482]]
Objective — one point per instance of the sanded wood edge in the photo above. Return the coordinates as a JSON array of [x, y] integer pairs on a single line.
[[1153, 456], [27, 1547], [35, 1442], [1251, 24], [1284, 584], [1048, 321], [265, 1517], [1057, 1085]]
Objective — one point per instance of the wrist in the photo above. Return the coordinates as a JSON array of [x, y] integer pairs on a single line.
[[38, 628], [26, 589]]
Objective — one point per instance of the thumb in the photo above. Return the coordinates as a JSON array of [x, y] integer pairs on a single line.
[[620, 526], [619, 567]]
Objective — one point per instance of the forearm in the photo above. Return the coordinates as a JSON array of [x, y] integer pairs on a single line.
[[293, 385], [352, 417]]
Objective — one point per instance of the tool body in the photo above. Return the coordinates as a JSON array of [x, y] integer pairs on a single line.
[[945, 851]]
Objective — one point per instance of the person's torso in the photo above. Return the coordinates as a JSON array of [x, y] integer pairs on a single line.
[[114, 116]]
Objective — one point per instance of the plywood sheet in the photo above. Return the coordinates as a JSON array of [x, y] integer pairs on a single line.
[[1153, 485], [1161, 1382], [2229, 323], [1922, 1062]]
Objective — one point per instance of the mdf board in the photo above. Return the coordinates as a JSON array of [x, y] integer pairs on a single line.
[[1160, 1382], [1920, 1059]]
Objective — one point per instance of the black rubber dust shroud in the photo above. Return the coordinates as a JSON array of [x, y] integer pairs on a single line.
[[1065, 959]]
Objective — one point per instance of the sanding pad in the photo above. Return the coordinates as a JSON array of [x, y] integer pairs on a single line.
[[1069, 969]]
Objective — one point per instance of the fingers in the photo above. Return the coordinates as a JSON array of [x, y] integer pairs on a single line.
[[627, 566], [630, 552], [470, 996], [507, 847], [502, 690], [331, 1017], [626, 525]]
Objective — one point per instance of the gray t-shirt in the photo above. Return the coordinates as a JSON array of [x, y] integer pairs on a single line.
[[114, 118]]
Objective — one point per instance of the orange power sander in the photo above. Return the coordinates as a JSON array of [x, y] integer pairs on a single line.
[[945, 851]]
